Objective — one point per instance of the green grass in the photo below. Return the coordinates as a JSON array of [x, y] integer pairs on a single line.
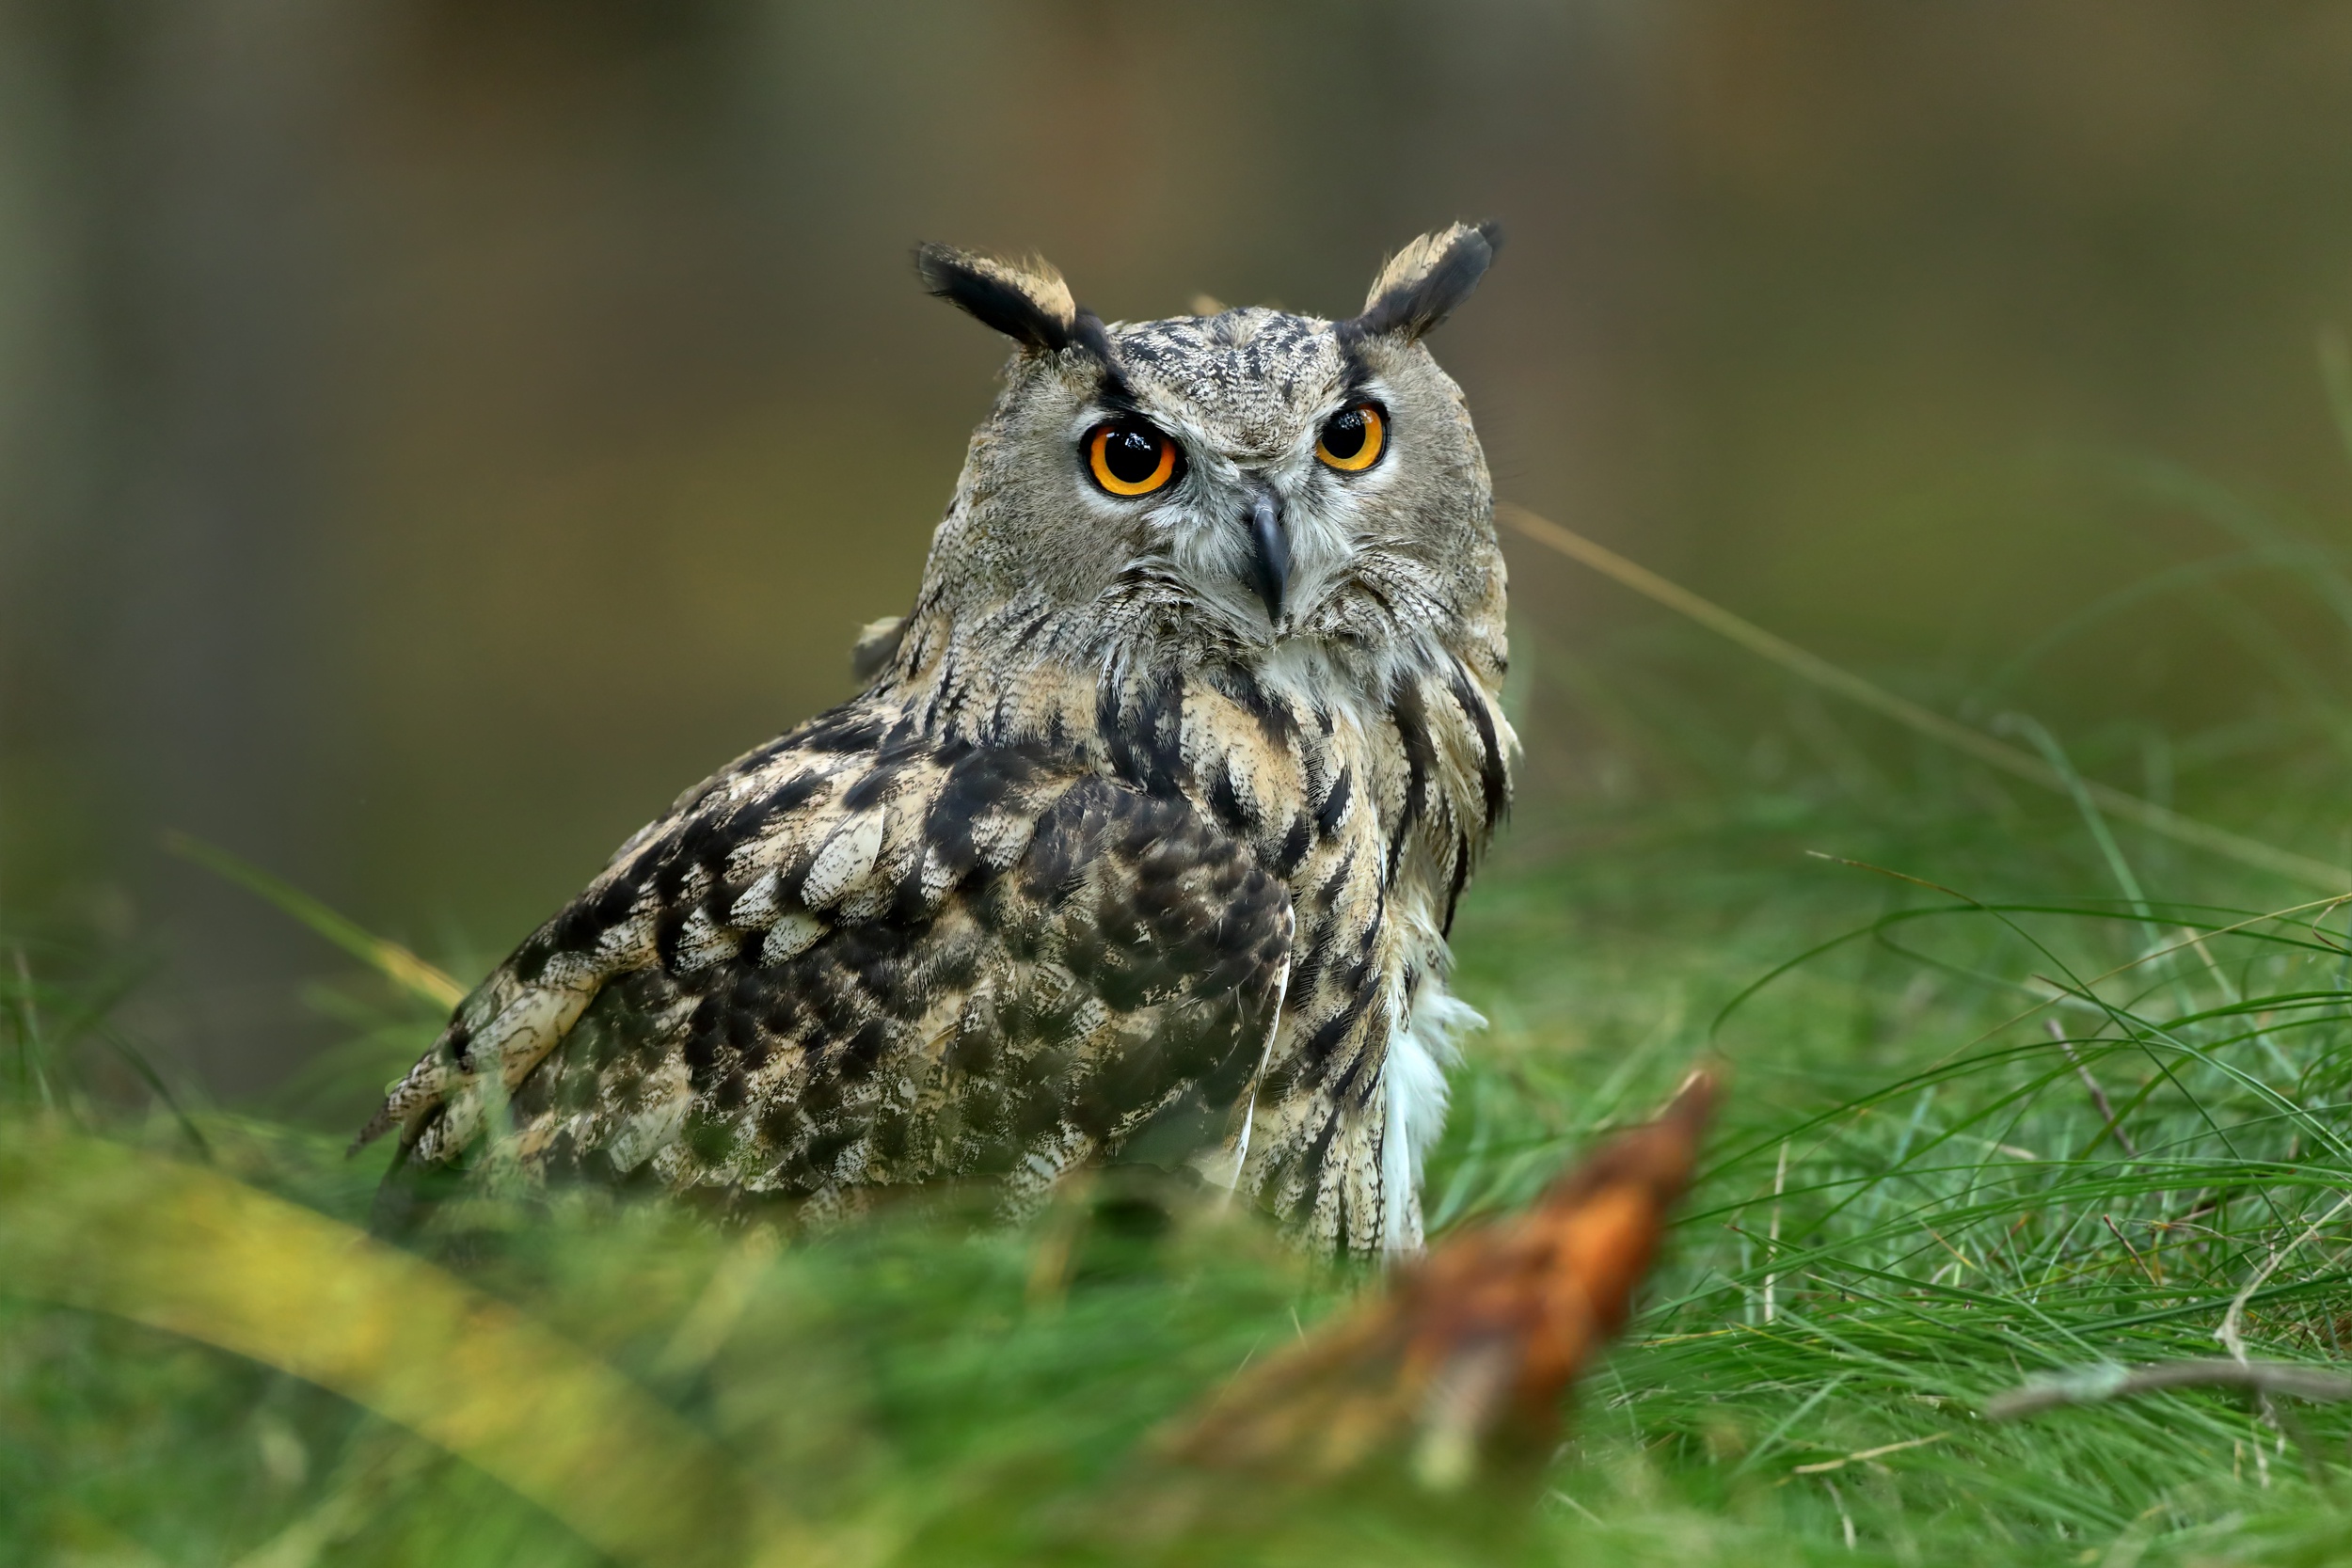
[[1911, 1203]]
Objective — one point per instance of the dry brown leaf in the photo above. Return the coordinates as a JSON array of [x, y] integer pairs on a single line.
[[1466, 1358]]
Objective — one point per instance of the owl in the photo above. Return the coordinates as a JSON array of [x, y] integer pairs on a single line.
[[1141, 843]]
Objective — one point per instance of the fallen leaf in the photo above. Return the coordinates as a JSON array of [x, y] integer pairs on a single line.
[[1465, 1359]]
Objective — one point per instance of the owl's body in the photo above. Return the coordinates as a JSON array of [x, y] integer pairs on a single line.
[[1142, 842]]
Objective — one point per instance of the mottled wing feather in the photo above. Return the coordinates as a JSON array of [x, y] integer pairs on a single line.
[[858, 957]]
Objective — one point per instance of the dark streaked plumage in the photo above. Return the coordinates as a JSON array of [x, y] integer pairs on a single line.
[[1142, 841]]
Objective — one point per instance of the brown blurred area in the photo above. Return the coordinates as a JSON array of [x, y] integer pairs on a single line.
[[434, 432]]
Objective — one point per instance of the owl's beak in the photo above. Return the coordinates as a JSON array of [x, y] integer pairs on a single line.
[[1269, 553]]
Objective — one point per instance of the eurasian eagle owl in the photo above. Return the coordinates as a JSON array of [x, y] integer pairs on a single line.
[[1142, 841]]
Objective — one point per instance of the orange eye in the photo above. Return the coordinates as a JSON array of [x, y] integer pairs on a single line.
[[1130, 458], [1352, 439]]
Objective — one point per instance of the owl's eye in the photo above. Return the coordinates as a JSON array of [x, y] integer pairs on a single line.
[[1352, 439], [1128, 458]]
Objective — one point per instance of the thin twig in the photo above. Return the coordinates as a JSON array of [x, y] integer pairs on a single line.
[[2133, 1250], [2098, 1385], [1771, 1278], [2098, 1095]]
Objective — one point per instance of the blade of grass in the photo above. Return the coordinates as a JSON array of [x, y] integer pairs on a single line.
[[29, 1048], [2186, 576], [94, 1224], [2335, 373], [1961, 738], [387, 957], [2077, 788]]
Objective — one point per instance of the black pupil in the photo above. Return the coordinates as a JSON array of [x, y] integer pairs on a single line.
[[1132, 455], [1343, 437]]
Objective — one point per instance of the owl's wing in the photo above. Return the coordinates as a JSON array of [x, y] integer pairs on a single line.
[[859, 957]]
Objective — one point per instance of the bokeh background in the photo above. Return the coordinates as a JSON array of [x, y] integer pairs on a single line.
[[434, 431]]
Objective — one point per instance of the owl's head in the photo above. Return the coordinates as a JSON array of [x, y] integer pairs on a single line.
[[1230, 481]]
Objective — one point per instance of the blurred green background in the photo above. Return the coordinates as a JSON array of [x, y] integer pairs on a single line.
[[434, 432]]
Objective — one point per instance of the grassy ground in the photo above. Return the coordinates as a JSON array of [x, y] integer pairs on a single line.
[[1914, 1201]]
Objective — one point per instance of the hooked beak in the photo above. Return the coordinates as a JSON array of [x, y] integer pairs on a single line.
[[1269, 553]]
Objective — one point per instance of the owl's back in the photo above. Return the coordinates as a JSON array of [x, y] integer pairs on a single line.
[[864, 957]]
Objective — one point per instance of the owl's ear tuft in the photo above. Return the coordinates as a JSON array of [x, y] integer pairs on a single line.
[[1423, 282], [1027, 301]]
